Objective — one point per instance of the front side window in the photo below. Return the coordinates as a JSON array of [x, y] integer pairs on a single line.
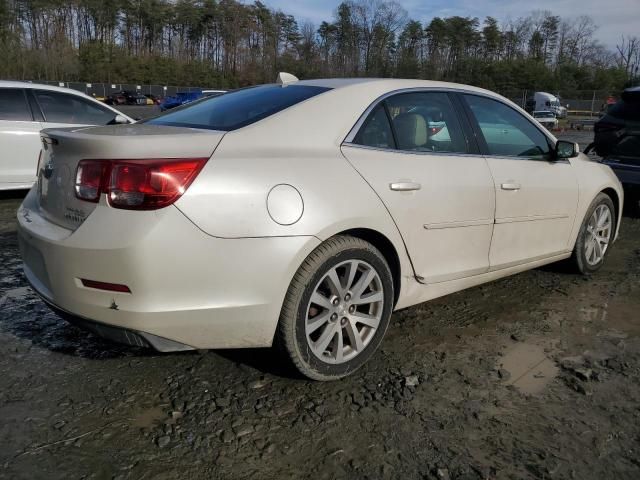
[[506, 131], [426, 122], [59, 107], [13, 105], [237, 109]]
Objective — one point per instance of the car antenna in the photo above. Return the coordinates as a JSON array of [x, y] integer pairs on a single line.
[[284, 78]]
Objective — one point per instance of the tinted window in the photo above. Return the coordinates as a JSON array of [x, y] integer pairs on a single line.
[[239, 108], [13, 105], [626, 110], [506, 131], [426, 122], [60, 107], [376, 131]]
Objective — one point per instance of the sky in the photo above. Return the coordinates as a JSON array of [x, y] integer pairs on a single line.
[[614, 17]]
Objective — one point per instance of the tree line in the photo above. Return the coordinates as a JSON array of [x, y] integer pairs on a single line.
[[226, 43]]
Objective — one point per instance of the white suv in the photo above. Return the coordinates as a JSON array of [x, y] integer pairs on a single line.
[[27, 108]]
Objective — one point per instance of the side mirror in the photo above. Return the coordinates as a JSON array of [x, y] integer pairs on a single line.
[[566, 149], [120, 120]]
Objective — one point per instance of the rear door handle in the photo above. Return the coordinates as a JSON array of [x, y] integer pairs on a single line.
[[510, 186], [405, 186]]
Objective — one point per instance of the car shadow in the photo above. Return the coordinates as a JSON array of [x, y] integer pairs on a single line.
[[266, 360], [13, 194]]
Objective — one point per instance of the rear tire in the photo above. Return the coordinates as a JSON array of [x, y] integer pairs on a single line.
[[337, 309], [595, 235]]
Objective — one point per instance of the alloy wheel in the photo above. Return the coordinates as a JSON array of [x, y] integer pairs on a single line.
[[598, 234], [344, 311]]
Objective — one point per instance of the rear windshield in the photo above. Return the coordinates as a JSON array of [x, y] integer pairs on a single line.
[[626, 110], [239, 108]]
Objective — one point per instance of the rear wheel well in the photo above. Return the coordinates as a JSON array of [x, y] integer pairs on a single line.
[[387, 249]]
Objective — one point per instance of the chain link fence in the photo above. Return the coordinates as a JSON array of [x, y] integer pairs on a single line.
[[106, 89], [578, 102]]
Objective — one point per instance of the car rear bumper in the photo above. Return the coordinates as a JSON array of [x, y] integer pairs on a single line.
[[188, 289]]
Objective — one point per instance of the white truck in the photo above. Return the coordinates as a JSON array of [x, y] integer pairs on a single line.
[[546, 101]]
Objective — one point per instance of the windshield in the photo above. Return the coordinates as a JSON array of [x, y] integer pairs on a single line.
[[543, 115], [238, 108]]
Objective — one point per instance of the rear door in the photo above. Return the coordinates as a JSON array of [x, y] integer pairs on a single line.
[[536, 197], [19, 139], [413, 151]]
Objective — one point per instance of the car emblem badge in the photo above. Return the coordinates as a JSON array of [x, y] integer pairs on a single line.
[[48, 170]]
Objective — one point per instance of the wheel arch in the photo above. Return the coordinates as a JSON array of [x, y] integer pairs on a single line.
[[388, 250], [615, 198]]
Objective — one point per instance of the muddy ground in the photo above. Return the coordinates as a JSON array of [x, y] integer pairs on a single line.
[[535, 376]]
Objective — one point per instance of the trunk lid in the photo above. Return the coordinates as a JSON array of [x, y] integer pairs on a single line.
[[63, 148]]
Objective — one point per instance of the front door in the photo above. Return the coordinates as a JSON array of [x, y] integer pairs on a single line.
[[412, 151], [536, 197]]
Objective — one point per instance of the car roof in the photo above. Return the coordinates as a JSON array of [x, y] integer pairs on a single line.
[[40, 86], [387, 83]]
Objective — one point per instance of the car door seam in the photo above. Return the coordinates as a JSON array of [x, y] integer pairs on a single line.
[[404, 243]]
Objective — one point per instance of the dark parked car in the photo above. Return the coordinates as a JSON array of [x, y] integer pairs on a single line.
[[617, 141], [126, 97]]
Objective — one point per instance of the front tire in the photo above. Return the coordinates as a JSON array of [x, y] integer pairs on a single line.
[[337, 308], [595, 236]]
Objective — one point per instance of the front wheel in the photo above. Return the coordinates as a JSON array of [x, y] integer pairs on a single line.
[[595, 236], [337, 308]]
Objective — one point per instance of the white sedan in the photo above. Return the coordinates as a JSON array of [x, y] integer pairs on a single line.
[[27, 108], [302, 213]]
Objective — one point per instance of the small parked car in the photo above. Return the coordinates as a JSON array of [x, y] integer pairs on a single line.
[[179, 99], [303, 213], [126, 97], [546, 118], [152, 99], [617, 140], [27, 108]]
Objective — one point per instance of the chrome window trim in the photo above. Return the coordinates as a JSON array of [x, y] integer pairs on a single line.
[[412, 152], [348, 140]]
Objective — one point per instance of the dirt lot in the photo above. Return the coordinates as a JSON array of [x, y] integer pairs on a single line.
[[535, 376]]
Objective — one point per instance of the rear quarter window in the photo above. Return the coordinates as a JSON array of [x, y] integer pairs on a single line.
[[237, 109]]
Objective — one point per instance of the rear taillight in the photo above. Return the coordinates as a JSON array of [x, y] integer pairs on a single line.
[[89, 179], [136, 184]]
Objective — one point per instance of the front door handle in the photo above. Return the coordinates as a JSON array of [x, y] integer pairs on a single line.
[[510, 186], [405, 186]]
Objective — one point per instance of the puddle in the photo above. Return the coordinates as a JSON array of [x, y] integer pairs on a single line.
[[149, 417], [529, 368]]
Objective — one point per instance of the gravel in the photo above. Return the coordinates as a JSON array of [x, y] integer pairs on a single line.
[[433, 403]]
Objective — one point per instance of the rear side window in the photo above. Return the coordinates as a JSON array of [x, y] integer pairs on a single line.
[[59, 107], [376, 130], [506, 131], [237, 109], [426, 122], [13, 105]]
